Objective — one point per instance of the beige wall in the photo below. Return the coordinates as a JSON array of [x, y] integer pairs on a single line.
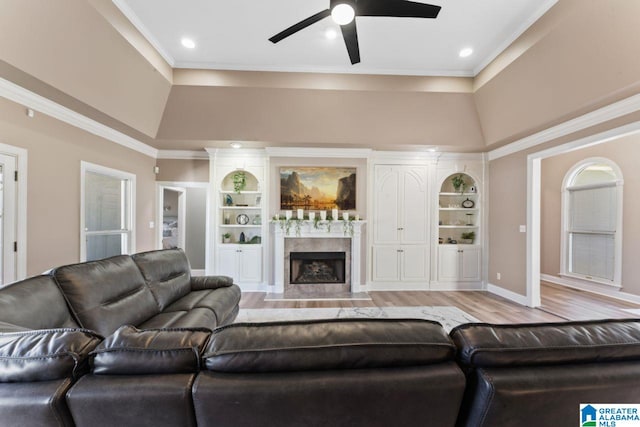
[[69, 45], [373, 118], [195, 170], [625, 152], [575, 59], [55, 150], [508, 208]]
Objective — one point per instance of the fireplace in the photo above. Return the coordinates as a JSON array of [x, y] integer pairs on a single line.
[[317, 267]]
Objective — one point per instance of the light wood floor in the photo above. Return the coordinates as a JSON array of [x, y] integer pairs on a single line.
[[558, 304]]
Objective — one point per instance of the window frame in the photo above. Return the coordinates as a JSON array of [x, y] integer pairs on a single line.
[[129, 213], [565, 249]]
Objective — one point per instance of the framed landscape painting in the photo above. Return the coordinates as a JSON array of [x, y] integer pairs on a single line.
[[318, 188]]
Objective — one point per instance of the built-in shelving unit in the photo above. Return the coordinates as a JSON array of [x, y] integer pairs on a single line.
[[458, 210]]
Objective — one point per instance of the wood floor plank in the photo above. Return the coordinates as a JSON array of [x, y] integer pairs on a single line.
[[558, 304]]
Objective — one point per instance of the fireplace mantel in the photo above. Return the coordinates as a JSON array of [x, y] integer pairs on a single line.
[[308, 230]]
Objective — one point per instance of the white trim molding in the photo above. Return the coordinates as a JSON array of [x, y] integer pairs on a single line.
[[182, 155], [352, 153], [20, 95], [510, 295], [21, 219], [604, 114]]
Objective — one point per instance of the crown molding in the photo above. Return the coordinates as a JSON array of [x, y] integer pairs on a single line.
[[352, 153], [133, 18], [20, 95], [182, 155], [601, 115], [544, 8]]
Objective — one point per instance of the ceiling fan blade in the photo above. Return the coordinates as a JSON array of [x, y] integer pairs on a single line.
[[350, 35], [396, 8], [300, 25]]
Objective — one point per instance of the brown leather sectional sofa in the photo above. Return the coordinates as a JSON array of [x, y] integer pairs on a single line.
[[136, 341]]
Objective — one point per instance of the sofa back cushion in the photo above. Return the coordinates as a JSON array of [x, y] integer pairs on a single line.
[[35, 303], [485, 345], [167, 273], [327, 344], [106, 294]]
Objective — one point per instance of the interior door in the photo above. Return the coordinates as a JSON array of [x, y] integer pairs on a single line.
[[8, 206]]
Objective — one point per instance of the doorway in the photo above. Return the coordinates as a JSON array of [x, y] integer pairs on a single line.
[[173, 217], [8, 204]]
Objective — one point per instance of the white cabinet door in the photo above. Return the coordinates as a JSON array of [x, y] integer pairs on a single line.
[[413, 205], [448, 263], [250, 264], [386, 218], [459, 264], [228, 262], [470, 264], [414, 263], [385, 263]]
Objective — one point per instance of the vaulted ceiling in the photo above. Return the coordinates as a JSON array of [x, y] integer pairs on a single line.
[[88, 56]]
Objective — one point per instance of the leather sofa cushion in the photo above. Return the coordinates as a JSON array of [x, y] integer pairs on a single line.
[[130, 351], [167, 273], [40, 404], [220, 301], [327, 344], [107, 294], [194, 318], [483, 345], [43, 355], [35, 303]]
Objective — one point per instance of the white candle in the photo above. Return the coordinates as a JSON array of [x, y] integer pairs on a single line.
[[323, 215], [300, 214], [334, 214], [312, 216], [277, 216], [288, 214], [357, 217], [345, 215]]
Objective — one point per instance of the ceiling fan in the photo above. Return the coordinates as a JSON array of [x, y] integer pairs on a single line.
[[344, 12]]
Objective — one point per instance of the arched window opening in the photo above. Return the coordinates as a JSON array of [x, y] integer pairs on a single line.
[[592, 226]]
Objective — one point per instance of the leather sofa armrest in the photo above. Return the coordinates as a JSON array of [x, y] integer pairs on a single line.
[[131, 351], [45, 354], [200, 283], [327, 344]]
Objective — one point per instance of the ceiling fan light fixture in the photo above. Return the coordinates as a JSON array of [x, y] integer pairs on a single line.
[[343, 14]]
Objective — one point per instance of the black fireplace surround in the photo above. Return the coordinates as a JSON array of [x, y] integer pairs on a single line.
[[136, 341], [317, 267]]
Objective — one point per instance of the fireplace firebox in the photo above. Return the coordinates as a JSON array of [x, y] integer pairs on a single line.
[[317, 267]]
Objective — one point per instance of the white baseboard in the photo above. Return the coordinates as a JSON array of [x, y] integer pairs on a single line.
[[196, 273], [505, 293], [456, 286], [253, 287], [599, 290]]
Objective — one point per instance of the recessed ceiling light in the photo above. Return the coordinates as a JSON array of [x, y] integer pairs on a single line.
[[188, 43], [467, 51], [236, 145], [331, 33], [343, 14]]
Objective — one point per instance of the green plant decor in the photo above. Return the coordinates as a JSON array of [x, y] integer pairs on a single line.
[[347, 227], [471, 235], [226, 235], [459, 184], [239, 181]]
